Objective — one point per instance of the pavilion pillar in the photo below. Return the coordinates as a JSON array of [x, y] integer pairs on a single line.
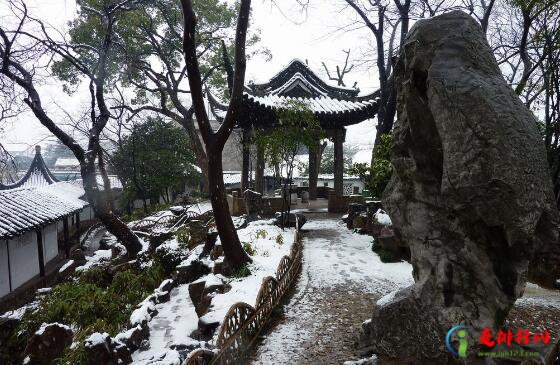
[[259, 174], [339, 162], [313, 171], [246, 157]]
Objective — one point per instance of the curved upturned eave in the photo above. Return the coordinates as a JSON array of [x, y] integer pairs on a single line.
[[38, 164], [264, 115]]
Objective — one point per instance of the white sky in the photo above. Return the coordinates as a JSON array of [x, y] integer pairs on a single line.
[[287, 35]]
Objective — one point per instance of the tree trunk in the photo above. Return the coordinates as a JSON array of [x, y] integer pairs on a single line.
[[200, 154], [246, 157], [233, 250], [106, 182], [102, 211]]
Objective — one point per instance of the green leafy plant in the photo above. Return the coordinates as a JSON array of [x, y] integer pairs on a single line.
[[183, 235], [296, 128], [261, 233], [249, 248], [93, 303], [377, 176], [280, 239], [242, 272]]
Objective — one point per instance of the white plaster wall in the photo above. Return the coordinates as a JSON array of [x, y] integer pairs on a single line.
[[24, 258], [4, 272], [50, 242]]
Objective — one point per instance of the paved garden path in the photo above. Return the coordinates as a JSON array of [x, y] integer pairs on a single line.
[[341, 279]]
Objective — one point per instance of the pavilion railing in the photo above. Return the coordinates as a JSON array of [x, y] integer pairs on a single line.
[[243, 323]]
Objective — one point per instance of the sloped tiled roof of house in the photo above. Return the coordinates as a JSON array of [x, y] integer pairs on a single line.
[[26, 209]]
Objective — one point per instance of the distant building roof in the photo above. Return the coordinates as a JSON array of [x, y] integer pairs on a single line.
[[67, 163], [38, 175], [25, 209]]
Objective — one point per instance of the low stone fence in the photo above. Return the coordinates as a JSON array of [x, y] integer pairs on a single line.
[[243, 322], [270, 206], [339, 204]]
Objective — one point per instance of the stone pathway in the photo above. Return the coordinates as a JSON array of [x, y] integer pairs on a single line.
[[340, 280]]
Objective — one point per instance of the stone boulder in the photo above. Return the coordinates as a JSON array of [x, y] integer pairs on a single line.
[[290, 219], [100, 349], [194, 270], [253, 203], [48, 343], [470, 192], [354, 210]]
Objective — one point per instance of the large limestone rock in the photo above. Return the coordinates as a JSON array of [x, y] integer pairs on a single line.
[[470, 193], [48, 344]]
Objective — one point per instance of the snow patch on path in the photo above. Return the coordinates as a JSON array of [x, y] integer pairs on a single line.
[[333, 257], [172, 326]]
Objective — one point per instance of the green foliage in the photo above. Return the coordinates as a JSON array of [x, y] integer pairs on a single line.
[[297, 127], [242, 272], [327, 160], [157, 33], [140, 213], [184, 235], [249, 249], [260, 233], [91, 304], [376, 177], [154, 157], [280, 239]]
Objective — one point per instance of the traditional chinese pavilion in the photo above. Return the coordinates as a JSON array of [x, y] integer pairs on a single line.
[[334, 107]]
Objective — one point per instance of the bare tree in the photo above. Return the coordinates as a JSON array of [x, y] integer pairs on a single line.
[[13, 46], [340, 72], [215, 140]]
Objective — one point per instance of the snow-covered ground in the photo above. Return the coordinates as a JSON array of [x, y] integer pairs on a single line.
[[177, 319], [339, 269], [535, 295]]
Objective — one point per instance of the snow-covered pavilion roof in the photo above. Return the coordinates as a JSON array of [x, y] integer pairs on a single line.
[[334, 106], [25, 209]]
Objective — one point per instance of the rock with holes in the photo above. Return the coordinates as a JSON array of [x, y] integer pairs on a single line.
[[48, 343], [470, 193]]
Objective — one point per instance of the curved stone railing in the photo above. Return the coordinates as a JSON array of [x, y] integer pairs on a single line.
[[243, 322]]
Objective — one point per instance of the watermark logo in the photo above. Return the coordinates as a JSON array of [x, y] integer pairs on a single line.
[[461, 334], [507, 339]]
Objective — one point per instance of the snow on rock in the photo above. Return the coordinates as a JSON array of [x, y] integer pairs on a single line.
[[171, 327], [17, 314], [96, 339], [386, 299], [44, 290], [44, 326], [382, 218], [98, 259], [143, 313], [66, 266], [368, 361]]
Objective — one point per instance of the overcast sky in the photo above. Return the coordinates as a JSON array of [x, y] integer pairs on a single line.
[[288, 34]]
